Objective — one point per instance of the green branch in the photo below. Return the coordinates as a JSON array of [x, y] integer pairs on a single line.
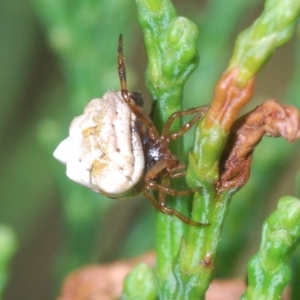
[[172, 54], [140, 284], [172, 57], [199, 249], [269, 270], [256, 44]]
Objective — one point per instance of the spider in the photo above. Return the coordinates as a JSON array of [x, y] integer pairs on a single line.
[[161, 164]]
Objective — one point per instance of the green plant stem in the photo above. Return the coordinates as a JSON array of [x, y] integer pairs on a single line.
[[276, 155], [295, 262], [141, 276], [172, 56], [195, 265], [171, 51], [214, 59], [200, 246], [256, 44], [268, 270], [198, 250]]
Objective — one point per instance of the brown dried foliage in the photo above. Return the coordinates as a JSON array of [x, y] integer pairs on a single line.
[[270, 119]]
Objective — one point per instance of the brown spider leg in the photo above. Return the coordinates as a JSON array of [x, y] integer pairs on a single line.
[[170, 211], [157, 169], [140, 114], [199, 111], [163, 189], [159, 187], [164, 186], [160, 206], [177, 171]]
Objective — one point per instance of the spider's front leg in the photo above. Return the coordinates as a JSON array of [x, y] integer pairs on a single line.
[[140, 114]]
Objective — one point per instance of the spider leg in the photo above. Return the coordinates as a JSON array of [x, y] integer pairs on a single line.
[[161, 206], [167, 190], [163, 190], [199, 111], [174, 172], [171, 211], [155, 170], [140, 114], [177, 171], [165, 185]]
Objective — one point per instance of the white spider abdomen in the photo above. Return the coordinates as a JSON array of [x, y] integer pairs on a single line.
[[103, 151]]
